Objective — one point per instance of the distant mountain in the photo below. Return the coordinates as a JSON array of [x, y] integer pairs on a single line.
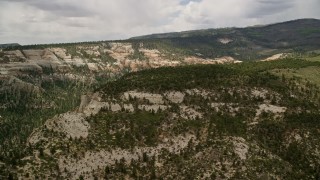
[[297, 33], [300, 26], [2, 46], [249, 43]]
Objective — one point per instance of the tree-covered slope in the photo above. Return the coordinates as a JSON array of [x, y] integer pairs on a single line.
[[240, 121]]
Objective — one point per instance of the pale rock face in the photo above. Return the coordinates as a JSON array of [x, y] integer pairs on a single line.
[[13, 54], [121, 47], [36, 136], [240, 147], [120, 51], [93, 52], [277, 111], [275, 57], [61, 53], [175, 96], [47, 64], [155, 60], [225, 59], [94, 107], [259, 93], [76, 61], [222, 60], [19, 85], [128, 107], [225, 40], [151, 53], [155, 63], [134, 67], [3, 71], [196, 60], [270, 108], [44, 58], [33, 54], [93, 160], [85, 100], [48, 55], [91, 104], [189, 113], [114, 107], [93, 67], [34, 61], [72, 124]]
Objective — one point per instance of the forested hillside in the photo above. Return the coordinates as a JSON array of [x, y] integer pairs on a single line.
[[237, 121]]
